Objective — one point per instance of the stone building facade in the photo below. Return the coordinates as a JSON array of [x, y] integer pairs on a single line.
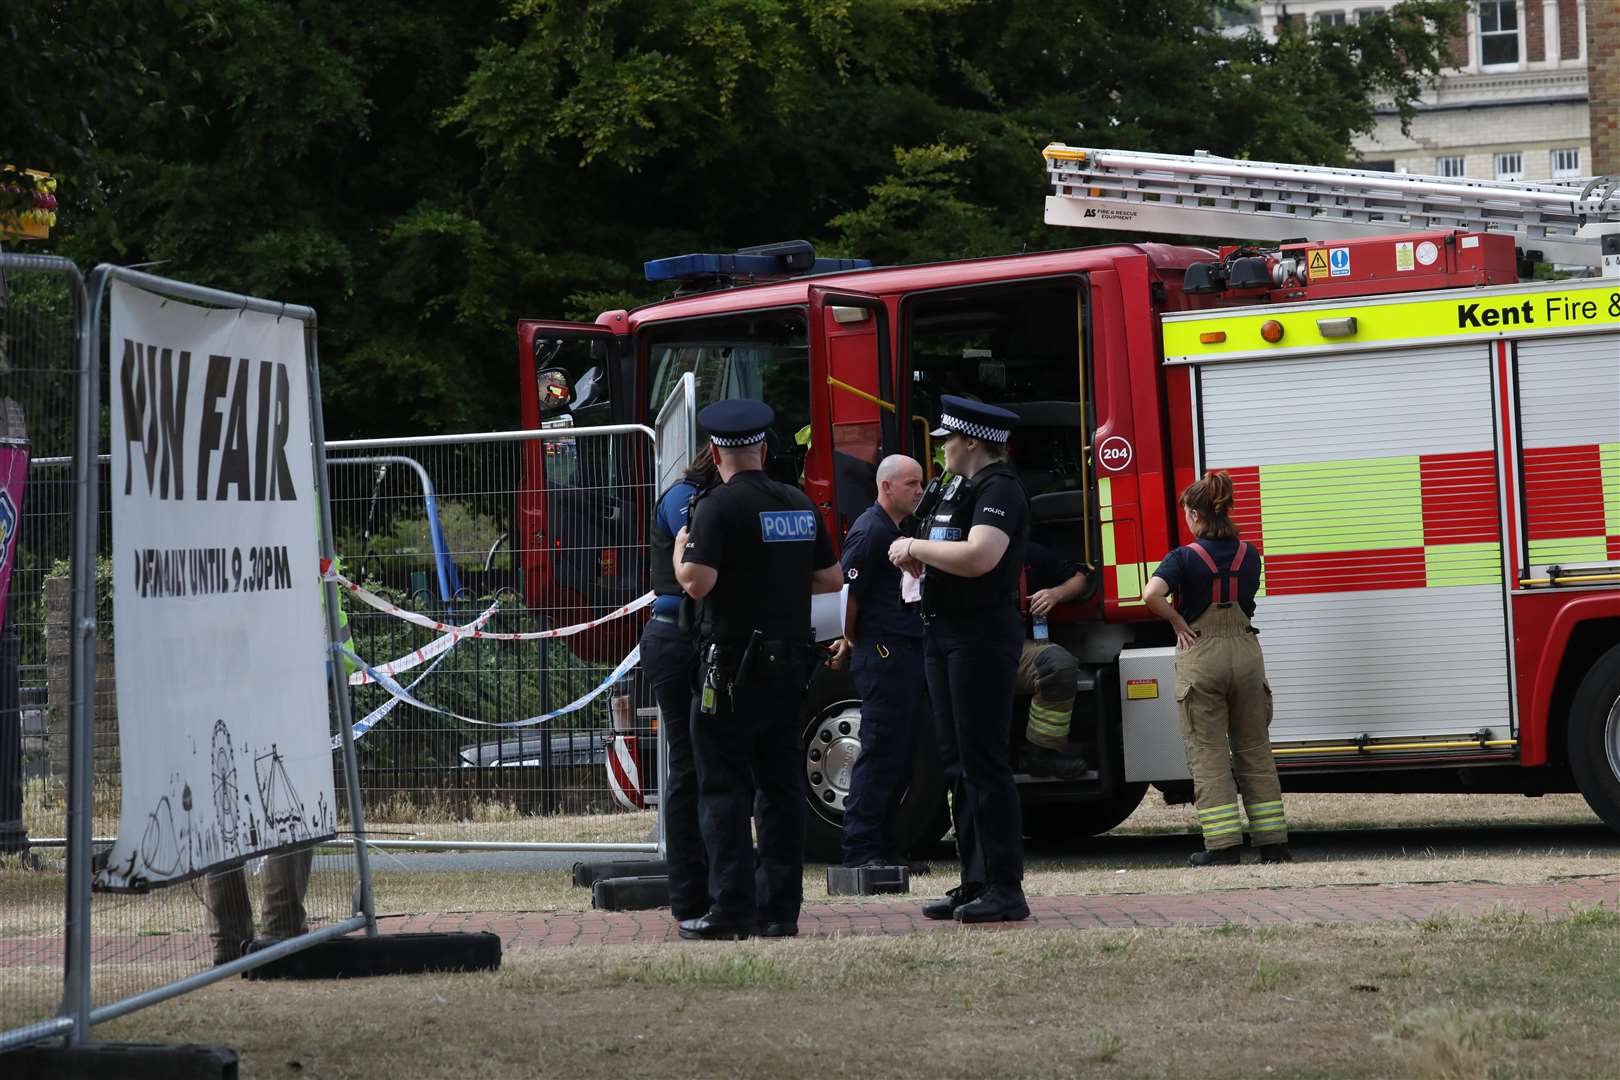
[[1515, 106]]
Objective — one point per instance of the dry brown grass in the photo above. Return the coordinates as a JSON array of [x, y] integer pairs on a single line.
[[1499, 997]]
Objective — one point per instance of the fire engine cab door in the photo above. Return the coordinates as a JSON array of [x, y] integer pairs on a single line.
[[582, 510], [852, 403], [1369, 480]]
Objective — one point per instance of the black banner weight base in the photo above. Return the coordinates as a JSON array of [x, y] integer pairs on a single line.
[[128, 1061], [386, 954]]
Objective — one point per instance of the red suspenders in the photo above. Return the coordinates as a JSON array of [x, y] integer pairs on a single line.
[[1223, 578]]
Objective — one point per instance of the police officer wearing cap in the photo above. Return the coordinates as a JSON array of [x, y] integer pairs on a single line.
[[752, 555], [972, 546], [669, 664]]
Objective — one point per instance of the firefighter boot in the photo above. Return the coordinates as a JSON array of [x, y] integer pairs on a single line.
[[1275, 853], [946, 906], [1226, 856], [1000, 903]]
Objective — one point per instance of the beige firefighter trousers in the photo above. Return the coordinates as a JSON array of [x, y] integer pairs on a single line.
[[1225, 705], [1047, 671], [230, 912]]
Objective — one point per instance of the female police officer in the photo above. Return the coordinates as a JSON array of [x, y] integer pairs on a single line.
[[669, 664], [973, 549], [1221, 678]]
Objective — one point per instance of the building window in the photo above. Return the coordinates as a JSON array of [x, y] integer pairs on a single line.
[[1566, 163], [1453, 166], [1510, 166], [1367, 14], [1329, 18], [1498, 32]]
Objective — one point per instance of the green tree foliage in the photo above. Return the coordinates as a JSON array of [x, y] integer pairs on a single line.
[[425, 174]]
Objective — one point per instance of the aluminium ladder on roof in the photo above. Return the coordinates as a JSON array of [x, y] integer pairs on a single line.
[[1204, 195]]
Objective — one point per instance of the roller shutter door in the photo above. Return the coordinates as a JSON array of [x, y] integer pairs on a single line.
[[1569, 428], [1369, 481]]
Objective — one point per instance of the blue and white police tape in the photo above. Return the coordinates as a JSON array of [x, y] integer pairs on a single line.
[[369, 721], [436, 647], [371, 599], [402, 694]]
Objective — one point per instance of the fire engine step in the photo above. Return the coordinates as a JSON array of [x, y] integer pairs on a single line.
[[587, 874], [631, 893], [867, 880]]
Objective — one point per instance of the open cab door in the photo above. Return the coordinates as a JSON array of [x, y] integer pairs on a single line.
[[577, 544], [853, 403]]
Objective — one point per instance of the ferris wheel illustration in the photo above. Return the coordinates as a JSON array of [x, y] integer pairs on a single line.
[[227, 791]]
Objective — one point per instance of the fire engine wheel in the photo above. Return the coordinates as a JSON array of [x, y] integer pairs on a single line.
[[831, 741], [1060, 823], [1594, 737]]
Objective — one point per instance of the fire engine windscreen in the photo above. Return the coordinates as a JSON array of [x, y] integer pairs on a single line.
[[763, 356]]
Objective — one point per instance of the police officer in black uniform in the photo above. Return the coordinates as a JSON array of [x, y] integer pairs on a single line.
[[883, 644], [972, 546], [669, 664], [751, 556]]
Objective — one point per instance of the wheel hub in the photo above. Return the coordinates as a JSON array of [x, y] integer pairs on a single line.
[[1611, 738], [829, 756]]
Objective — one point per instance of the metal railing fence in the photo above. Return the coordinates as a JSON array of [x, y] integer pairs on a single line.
[[514, 532], [43, 370]]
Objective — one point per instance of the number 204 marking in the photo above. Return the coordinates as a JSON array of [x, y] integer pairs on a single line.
[[1114, 454]]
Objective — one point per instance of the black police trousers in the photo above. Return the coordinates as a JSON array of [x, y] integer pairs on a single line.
[[888, 675], [751, 744], [972, 661], [669, 664]]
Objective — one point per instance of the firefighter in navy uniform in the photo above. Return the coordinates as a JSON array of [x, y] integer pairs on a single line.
[[752, 555], [972, 546], [669, 664], [883, 644]]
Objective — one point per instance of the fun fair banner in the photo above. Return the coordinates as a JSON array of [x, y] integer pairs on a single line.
[[217, 625]]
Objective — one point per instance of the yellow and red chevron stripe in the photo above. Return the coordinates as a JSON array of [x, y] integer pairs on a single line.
[[1408, 522], [1125, 572], [1572, 503]]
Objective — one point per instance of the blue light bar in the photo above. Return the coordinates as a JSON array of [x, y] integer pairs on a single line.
[[684, 267]]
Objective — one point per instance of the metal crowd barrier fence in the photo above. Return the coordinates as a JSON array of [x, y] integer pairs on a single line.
[[515, 532], [43, 334], [70, 957]]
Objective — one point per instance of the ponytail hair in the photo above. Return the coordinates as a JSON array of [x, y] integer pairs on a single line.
[[1211, 499]]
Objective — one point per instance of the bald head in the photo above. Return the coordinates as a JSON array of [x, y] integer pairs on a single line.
[[900, 485]]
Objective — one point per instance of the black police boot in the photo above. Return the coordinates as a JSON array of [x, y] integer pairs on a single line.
[[1040, 760], [1275, 853], [777, 929], [1226, 856], [946, 906], [713, 927], [1000, 903]]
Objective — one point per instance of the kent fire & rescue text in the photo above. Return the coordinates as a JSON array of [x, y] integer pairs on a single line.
[[1555, 310]]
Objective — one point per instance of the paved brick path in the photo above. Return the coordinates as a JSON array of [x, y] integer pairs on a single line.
[[1306, 905], [1222, 907]]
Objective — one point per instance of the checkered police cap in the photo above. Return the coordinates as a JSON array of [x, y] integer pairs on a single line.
[[736, 422], [738, 440], [959, 416]]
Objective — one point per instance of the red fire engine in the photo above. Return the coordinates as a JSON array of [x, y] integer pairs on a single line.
[[1425, 445]]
